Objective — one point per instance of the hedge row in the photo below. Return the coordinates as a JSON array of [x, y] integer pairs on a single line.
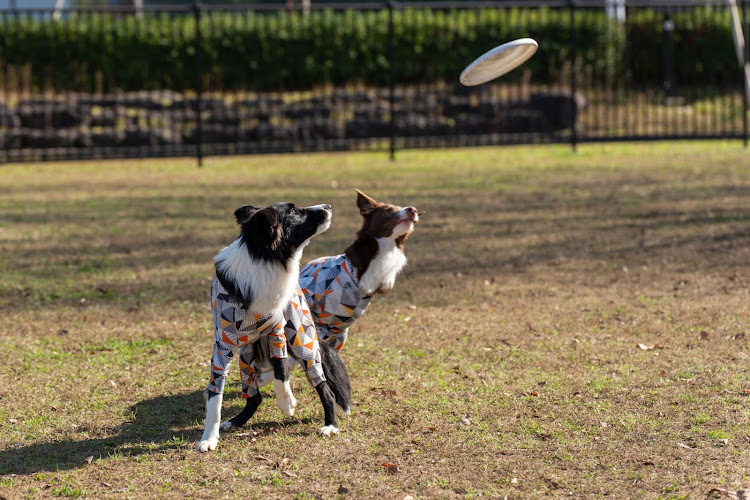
[[282, 50]]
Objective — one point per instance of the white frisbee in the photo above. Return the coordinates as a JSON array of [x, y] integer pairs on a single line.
[[498, 61]]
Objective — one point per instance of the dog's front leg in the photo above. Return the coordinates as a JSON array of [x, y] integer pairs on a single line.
[[213, 419], [284, 397]]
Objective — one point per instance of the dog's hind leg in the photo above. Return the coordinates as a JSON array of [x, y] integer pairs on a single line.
[[315, 372], [251, 405], [263, 379], [328, 401], [337, 377]]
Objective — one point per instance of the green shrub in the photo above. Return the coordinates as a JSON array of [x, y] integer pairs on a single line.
[[282, 50], [704, 50]]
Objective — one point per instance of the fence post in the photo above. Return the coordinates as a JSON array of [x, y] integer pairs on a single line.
[[573, 88], [668, 78], [746, 104], [197, 7], [391, 82]]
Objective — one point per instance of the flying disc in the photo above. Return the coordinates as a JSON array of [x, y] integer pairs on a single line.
[[498, 61]]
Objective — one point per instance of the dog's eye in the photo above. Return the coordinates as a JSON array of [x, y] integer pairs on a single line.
[[295, 210]]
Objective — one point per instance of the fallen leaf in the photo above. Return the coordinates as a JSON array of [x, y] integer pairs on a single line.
[[431, 429], [112, 383], [106, 485], [553, 483], [704, 335], [12, 420], [283, 463], [261, 458], [390, 468], [514, 481], [645, 347], [722, 442], [342, 490], [466, 420], [290, 474], [682, 445], [721, 492], [663, 374], [407, 319], [89, 459]]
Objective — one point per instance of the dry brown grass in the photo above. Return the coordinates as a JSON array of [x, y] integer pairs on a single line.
[[506, 361]]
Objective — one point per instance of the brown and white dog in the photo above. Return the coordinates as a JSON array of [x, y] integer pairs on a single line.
[[339, 288]]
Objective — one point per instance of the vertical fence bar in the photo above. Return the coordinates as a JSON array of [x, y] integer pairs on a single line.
[[198, 86], [573, 136], [391, 82], [746, 104]]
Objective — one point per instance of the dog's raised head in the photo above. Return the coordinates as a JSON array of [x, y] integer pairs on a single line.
[[383, 220], [384, 231], [274, 233], [261, 267]]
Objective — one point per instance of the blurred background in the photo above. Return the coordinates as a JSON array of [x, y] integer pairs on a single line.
[[125, 78]]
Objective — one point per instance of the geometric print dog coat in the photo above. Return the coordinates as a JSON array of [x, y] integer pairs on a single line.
[[334, 296], [236, 330]]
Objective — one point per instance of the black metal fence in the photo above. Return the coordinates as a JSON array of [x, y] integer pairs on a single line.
[[215, 80]]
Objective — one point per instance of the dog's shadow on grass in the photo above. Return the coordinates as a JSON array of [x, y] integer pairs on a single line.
[[160, 424]]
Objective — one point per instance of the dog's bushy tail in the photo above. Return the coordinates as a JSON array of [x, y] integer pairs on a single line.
[[337, 376]]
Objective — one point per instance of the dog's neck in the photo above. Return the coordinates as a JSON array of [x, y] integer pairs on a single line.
[[263, 286], [377, 262]]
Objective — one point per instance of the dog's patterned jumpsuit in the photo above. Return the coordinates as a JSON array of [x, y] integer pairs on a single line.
[[332, 291], [236, 330]]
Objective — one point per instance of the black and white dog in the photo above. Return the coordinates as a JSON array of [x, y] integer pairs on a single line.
[[260, 315]]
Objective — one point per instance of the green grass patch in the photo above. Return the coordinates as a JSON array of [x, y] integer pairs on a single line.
[[567, 323]]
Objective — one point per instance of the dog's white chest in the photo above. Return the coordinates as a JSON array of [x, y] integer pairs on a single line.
[[384, 267]]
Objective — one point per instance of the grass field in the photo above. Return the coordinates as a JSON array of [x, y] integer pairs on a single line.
[[569, 325]]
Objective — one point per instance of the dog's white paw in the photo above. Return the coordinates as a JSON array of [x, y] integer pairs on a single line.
[[285, 399], [207, 445], [287, 404], [328, 430], [227, 426], [342, 412]]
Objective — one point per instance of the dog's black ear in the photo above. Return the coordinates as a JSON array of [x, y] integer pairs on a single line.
[[270, 219], [244, 213], [365, 203]]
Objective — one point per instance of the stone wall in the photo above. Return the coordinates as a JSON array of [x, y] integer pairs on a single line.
[[133, 119]]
